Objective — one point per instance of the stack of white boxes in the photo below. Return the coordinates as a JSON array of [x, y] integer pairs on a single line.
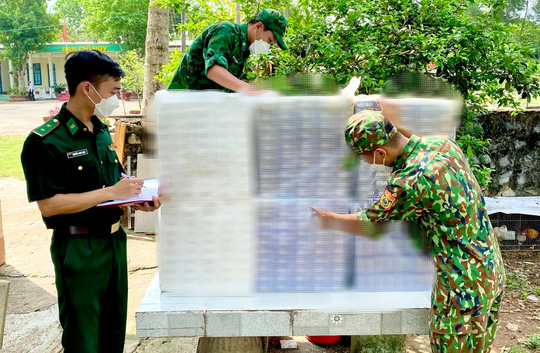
[[241, 174], [206, 244], [300, 151]]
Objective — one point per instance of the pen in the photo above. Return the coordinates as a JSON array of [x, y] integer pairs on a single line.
[[127, 177]]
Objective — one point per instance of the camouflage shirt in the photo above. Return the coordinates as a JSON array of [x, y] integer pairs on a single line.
[[433, 186], [224, 44]]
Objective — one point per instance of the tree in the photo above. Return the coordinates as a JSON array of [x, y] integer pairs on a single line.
[[25, 27], [522, 18], [133, 65], [120, 21], [73, 13]]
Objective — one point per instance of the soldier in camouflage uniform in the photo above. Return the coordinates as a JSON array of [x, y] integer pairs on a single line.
[[433, 186], [216, 58]]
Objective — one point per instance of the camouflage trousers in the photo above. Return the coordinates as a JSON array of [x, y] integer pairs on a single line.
[[464, 329]]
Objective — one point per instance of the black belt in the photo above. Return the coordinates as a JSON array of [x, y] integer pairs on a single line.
[[78, 230]]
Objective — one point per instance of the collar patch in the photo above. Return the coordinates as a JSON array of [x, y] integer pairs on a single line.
[[72, 126]]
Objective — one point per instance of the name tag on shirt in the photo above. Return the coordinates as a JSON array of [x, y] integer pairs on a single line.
[[78, 153]]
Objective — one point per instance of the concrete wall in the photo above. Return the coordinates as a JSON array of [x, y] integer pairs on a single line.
[[514, 152]]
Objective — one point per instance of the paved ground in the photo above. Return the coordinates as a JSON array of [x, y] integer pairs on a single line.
[[18, 118]]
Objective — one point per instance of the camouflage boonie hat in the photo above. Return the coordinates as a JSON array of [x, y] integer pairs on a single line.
[[274, 21], [368, 130]]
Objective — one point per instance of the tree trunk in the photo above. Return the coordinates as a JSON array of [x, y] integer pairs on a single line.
[[183, 33], [157, 51], [230, 345], [156, 55], [523, 21], [20, 79]]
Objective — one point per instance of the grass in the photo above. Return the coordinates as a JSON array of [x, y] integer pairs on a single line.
[[517, 349], [517, 281], [10, 156], [533, 342]]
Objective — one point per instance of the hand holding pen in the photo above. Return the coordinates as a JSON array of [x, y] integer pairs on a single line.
[[125, 176], [145, 206], [126, 188]]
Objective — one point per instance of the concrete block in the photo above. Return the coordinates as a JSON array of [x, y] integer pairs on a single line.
[[4, 291], [266, 323], [306, 318], [359, 324], [310, 330], [223, 324], [415, 321], [185, 320], [162, 332], [391, 323], [152, 321], [310, 323], [186, 332]]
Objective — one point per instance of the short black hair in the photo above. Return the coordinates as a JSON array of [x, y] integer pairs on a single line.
[[90, 65], [254, 21]]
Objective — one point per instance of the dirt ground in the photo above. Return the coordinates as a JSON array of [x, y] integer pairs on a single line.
[[30, 271]]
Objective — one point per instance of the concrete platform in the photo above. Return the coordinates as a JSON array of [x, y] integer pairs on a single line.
[[282, 314]]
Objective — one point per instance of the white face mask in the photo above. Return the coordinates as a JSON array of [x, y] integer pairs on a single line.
[[380, 168], [381, 174], [259, 47], [104, 108]]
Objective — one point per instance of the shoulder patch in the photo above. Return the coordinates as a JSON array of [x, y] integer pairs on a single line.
[[387, 201], [47, 127]]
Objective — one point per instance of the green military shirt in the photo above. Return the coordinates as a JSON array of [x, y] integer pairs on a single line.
[[224, 44], [63, 157], [433, 186]]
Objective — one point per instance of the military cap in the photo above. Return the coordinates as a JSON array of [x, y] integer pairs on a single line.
[[274, 21], [368, 130]]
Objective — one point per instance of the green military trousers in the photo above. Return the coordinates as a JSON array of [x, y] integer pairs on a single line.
[[91, 279], [466, 322]]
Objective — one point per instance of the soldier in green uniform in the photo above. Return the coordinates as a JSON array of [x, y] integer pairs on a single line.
[[216, 58], [71, 166], [433, 186]]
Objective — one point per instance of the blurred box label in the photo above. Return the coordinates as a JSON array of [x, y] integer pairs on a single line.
[[366, 104]]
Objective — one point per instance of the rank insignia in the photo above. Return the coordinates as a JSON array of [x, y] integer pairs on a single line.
[[77, 153], [387, 200], [47, 127], [112, 147], [72, 126]]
